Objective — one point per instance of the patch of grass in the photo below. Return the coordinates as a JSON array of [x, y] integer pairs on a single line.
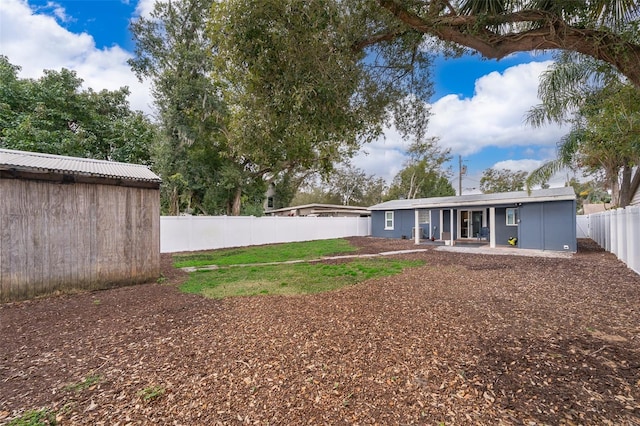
[[84, 384], [272, 253], [42, 417], [151, 393], [290, 279]]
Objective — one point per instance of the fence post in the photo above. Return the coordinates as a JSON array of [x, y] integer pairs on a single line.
[[622, 234], [633, 242], [614, 232]]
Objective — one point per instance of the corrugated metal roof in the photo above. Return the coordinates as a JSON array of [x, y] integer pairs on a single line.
[[38, 162], [550, 194]]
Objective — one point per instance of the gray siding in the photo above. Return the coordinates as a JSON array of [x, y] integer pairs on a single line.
[[560, 226], [435, 224], [548, 226], [532, 229], [75, 236], [502, 231]]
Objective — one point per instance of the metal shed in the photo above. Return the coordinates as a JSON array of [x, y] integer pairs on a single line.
[[544, 219], [74, 223]]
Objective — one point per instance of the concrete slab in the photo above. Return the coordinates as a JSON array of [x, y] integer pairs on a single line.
[[506, 251]]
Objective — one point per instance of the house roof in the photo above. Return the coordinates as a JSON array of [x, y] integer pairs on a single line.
[[48, 163], [470, 200], [320, 206]]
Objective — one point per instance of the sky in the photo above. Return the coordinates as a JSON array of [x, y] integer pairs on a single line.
[[479, 106]]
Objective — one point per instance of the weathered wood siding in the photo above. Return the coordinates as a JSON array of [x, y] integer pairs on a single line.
[[75, 236]]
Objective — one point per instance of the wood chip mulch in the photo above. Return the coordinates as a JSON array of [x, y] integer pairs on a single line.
[[465, 339]]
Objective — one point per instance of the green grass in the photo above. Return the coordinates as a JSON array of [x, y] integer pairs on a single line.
[[273, 253], [84, 384], [41, 417], [151, 393], [290, 279]]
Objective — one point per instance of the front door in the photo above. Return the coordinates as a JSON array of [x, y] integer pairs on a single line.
[[470, 223], [476, 223]]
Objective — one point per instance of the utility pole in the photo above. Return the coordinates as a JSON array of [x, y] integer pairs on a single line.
[[463, 171], [459, 175]]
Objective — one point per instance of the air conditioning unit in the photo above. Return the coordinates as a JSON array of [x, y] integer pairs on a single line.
[[424, 233]]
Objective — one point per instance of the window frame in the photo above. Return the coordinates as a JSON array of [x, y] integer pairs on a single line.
[[515, 215], [389, 222]]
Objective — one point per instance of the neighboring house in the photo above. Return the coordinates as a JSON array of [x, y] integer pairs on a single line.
[[635, 200], [544, 219], [321, 210], [74, 223], [589, 208]]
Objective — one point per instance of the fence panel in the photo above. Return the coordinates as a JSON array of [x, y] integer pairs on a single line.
[[618, 231], [191, 233], [582, 226]]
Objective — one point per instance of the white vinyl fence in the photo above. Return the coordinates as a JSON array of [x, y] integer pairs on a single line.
[[617, 231], [582, 226], [190, 233]]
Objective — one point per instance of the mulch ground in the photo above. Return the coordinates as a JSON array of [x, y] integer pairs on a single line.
[[465, 339]]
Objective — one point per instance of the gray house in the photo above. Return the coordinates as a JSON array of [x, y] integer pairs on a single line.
[[544, 219], [74, 223]]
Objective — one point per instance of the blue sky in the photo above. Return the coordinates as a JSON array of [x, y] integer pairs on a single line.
[[478, 107]]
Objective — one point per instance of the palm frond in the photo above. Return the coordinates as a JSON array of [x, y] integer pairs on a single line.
[[484, 7], [542, 174], [569, 146], [615, 13]]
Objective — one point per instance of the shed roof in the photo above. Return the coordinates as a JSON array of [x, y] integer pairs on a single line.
[[49, 163], [471, 200]]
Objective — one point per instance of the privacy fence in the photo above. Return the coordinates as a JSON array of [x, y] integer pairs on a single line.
[[190, 233], [617, 231]]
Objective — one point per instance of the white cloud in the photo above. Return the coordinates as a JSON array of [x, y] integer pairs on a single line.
[[58, 11], [383, 157], [495, 115], [526, 165], [36, 42], [144, 7]]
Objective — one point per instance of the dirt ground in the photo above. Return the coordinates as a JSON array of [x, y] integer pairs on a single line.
[[465, 339]]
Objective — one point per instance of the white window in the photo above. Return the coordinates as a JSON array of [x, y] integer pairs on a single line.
[[388, 220], [423, 216], [512, 217]]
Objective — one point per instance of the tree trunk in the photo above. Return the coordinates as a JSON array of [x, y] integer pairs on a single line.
[[237, 202], [626, 187]]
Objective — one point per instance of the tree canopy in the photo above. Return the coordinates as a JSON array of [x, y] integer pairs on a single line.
[[502, 180], [54, 115], [253, 92], [269, 89], [606, 30], [605, 115], [423, 175], [346, 185]]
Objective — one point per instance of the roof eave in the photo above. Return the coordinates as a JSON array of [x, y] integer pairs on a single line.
[[476, 203]]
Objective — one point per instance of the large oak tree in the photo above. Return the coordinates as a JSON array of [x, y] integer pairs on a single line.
[[603, 29]]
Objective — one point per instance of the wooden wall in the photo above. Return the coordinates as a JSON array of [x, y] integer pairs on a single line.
[[57, 236]]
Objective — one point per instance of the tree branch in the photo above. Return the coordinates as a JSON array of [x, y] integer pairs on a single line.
[[551, 33]]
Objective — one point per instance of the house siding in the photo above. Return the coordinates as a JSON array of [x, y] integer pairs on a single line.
[[532, 227], [502, 231], [548, 226]]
